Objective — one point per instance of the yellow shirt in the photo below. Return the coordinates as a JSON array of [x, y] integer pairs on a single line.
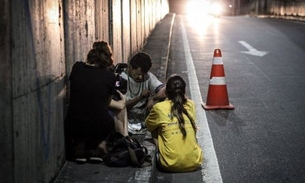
[[176, 154]]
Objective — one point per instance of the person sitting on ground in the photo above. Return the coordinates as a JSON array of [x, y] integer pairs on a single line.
[[88, 122], [117, 107], [173, 128], [143, 91]]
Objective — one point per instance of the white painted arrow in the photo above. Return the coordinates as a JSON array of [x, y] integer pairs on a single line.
[[252, 51]]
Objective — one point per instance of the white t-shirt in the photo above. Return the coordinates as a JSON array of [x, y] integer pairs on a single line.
[[138, 113]]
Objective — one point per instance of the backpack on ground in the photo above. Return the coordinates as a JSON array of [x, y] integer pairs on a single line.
[[127, 151]]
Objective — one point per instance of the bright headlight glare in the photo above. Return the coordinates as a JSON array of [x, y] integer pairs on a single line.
[[216, 8]]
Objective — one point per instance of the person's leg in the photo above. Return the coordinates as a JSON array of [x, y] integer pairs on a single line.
[[96, 155], [78, 141], [121, 121], [154, 135], [79, 151], [99, 133], [102, 147]]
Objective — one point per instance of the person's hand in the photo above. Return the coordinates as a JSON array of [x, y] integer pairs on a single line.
[[162, 93], [145, 94], [150, 103], [122, 96]]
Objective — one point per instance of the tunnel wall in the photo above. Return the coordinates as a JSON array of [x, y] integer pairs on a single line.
[[289, 9], [286, 8], [40, 42], [6, 106]]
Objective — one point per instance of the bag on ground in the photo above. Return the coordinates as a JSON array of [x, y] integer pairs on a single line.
[[126, 151]]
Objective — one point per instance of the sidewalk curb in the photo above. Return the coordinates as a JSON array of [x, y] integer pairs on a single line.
[[283, 17], [160, 61], [165, 59]]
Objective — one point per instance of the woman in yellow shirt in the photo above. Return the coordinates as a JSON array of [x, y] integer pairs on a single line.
[[173, 128]]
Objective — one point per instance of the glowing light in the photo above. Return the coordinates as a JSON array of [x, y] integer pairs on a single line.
[[53, 15], [197, 7], [202, 17], [203, 7], [201, 25], [216, 9]]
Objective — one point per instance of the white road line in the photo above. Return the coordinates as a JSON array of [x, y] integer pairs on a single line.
[[252, 51], [210, 168], [257, 68]]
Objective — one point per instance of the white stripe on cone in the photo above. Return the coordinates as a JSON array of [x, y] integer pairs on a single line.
[[218, 81], [217, 61]]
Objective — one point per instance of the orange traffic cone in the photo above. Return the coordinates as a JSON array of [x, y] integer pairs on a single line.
[[217, 94]]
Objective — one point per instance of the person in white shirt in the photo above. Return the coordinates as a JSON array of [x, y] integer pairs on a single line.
[[143, 91]]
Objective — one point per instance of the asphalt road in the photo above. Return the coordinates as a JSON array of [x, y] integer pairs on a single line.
[[263, 138]]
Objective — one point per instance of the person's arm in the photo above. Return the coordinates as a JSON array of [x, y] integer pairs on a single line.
[[133, 102], [158, 87], [152, 120], [160, 96], [130, 103], [120, 104], [152, 126]]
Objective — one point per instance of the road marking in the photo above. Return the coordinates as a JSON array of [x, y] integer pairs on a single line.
[[252, 51], [257, 68], [210, 168]]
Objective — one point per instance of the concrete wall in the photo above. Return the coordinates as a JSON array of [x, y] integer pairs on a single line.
[[6, 106], [40, 41], [38, 89], [293, 9], [288, 8]]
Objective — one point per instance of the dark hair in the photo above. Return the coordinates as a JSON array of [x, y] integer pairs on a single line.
[[101, 54], [175, 91], [141, 60]]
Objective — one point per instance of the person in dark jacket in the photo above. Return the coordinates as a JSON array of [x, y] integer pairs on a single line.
[[89, 121]]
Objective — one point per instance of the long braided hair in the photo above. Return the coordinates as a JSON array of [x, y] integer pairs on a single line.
[[175, 91]]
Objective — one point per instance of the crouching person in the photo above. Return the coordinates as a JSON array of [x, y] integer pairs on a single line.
[[173, 128], [90, 121]]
